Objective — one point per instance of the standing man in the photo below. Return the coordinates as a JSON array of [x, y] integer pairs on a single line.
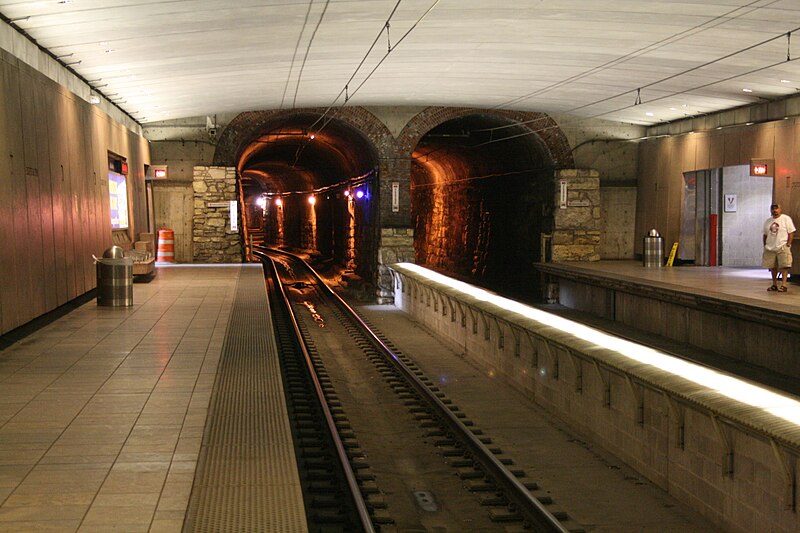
[[778, 235]]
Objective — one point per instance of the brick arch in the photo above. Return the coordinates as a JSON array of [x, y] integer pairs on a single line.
[[245, 126], [546, 132]]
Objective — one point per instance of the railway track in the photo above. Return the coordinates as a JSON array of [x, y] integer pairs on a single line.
[[384, 448]]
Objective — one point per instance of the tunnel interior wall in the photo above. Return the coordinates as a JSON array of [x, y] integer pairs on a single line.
[[488, 230], [54, 191]]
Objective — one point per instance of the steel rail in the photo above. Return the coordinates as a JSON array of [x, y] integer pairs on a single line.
[[531, 509], [358, 499]]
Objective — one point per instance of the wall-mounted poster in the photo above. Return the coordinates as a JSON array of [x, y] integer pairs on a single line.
[[118, 193]]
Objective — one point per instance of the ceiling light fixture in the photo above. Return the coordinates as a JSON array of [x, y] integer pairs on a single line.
[[649, 114], [747, 90], [786, 81]]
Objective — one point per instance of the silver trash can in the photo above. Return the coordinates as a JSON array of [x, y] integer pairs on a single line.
[[114, 278], [653, 250]]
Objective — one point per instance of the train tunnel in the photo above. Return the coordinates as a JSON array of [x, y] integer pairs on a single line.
[[310, 183], [482, 191]]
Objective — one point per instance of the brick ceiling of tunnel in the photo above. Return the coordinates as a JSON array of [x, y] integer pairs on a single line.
[[636, 61]]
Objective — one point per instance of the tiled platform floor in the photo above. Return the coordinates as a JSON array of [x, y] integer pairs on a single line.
[[102, 412]]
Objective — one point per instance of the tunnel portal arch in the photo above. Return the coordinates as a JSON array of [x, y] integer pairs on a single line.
[[283, 158], [482, 193]]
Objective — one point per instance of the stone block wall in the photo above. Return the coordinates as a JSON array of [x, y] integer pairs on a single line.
[[212, 239], [396, 246], [576, 227]]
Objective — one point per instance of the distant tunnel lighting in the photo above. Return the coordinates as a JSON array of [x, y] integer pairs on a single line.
[[346, 194], [734, 388], [278, 202], [311, 136], [359, 194], [261, 202], [312, 199]]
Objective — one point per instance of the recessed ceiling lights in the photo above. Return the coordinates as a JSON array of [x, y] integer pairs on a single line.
[[673, 108], [786, 81], [683, 106], [649, 114], [747, 90]]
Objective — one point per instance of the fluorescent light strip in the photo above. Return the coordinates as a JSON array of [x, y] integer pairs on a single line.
[[734, 388]]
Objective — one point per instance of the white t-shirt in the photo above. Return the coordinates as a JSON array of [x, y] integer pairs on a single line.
[[777, 231]]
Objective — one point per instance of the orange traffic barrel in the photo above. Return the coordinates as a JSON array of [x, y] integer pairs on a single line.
[[166, 246]]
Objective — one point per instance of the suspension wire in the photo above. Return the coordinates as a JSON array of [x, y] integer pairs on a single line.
[[375, 68], [324, 116], [308, 49], [720, 19], [662, 80], [597, 115], [363, 59], [294, 56]]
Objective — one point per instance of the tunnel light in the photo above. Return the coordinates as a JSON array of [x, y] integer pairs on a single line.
[[778, 405], [359, 194], [311, 136], [312, 199], [278, 202], [261, 202], [347, 193]]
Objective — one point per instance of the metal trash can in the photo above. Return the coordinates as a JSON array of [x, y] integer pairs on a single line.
[[653, 250], [114, 278]]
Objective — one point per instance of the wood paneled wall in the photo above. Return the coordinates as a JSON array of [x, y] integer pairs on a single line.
[[54, 204], [662, 163]]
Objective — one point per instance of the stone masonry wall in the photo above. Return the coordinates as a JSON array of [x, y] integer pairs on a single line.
[[396, 246], [213, 240], [576, 230]]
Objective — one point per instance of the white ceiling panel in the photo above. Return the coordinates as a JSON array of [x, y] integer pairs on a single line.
[[172, 59]]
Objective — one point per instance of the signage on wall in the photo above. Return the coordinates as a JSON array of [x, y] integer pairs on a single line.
[[762, 167], [731, 202], [395, 196], [157, 172], [562, 204], [234, 216]]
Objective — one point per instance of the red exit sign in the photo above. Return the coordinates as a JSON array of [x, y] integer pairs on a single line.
[[762, 167]]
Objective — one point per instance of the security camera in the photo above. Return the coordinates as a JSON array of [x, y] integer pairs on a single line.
[[212, 132]]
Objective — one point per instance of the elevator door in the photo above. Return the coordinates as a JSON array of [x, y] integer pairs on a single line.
[[701, 223], [723, 210]]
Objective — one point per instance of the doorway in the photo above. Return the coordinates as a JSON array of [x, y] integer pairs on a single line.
[[723, 211]]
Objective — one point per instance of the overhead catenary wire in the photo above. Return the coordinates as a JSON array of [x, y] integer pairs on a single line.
[[308, 49], [598, 115], [345, 89], [719, 20], [294, 56], [668, 78]]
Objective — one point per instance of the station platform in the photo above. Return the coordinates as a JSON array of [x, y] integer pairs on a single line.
[[725, 311], [103, 411]]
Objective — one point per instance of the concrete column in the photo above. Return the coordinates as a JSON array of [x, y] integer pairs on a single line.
[[576, 224]]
